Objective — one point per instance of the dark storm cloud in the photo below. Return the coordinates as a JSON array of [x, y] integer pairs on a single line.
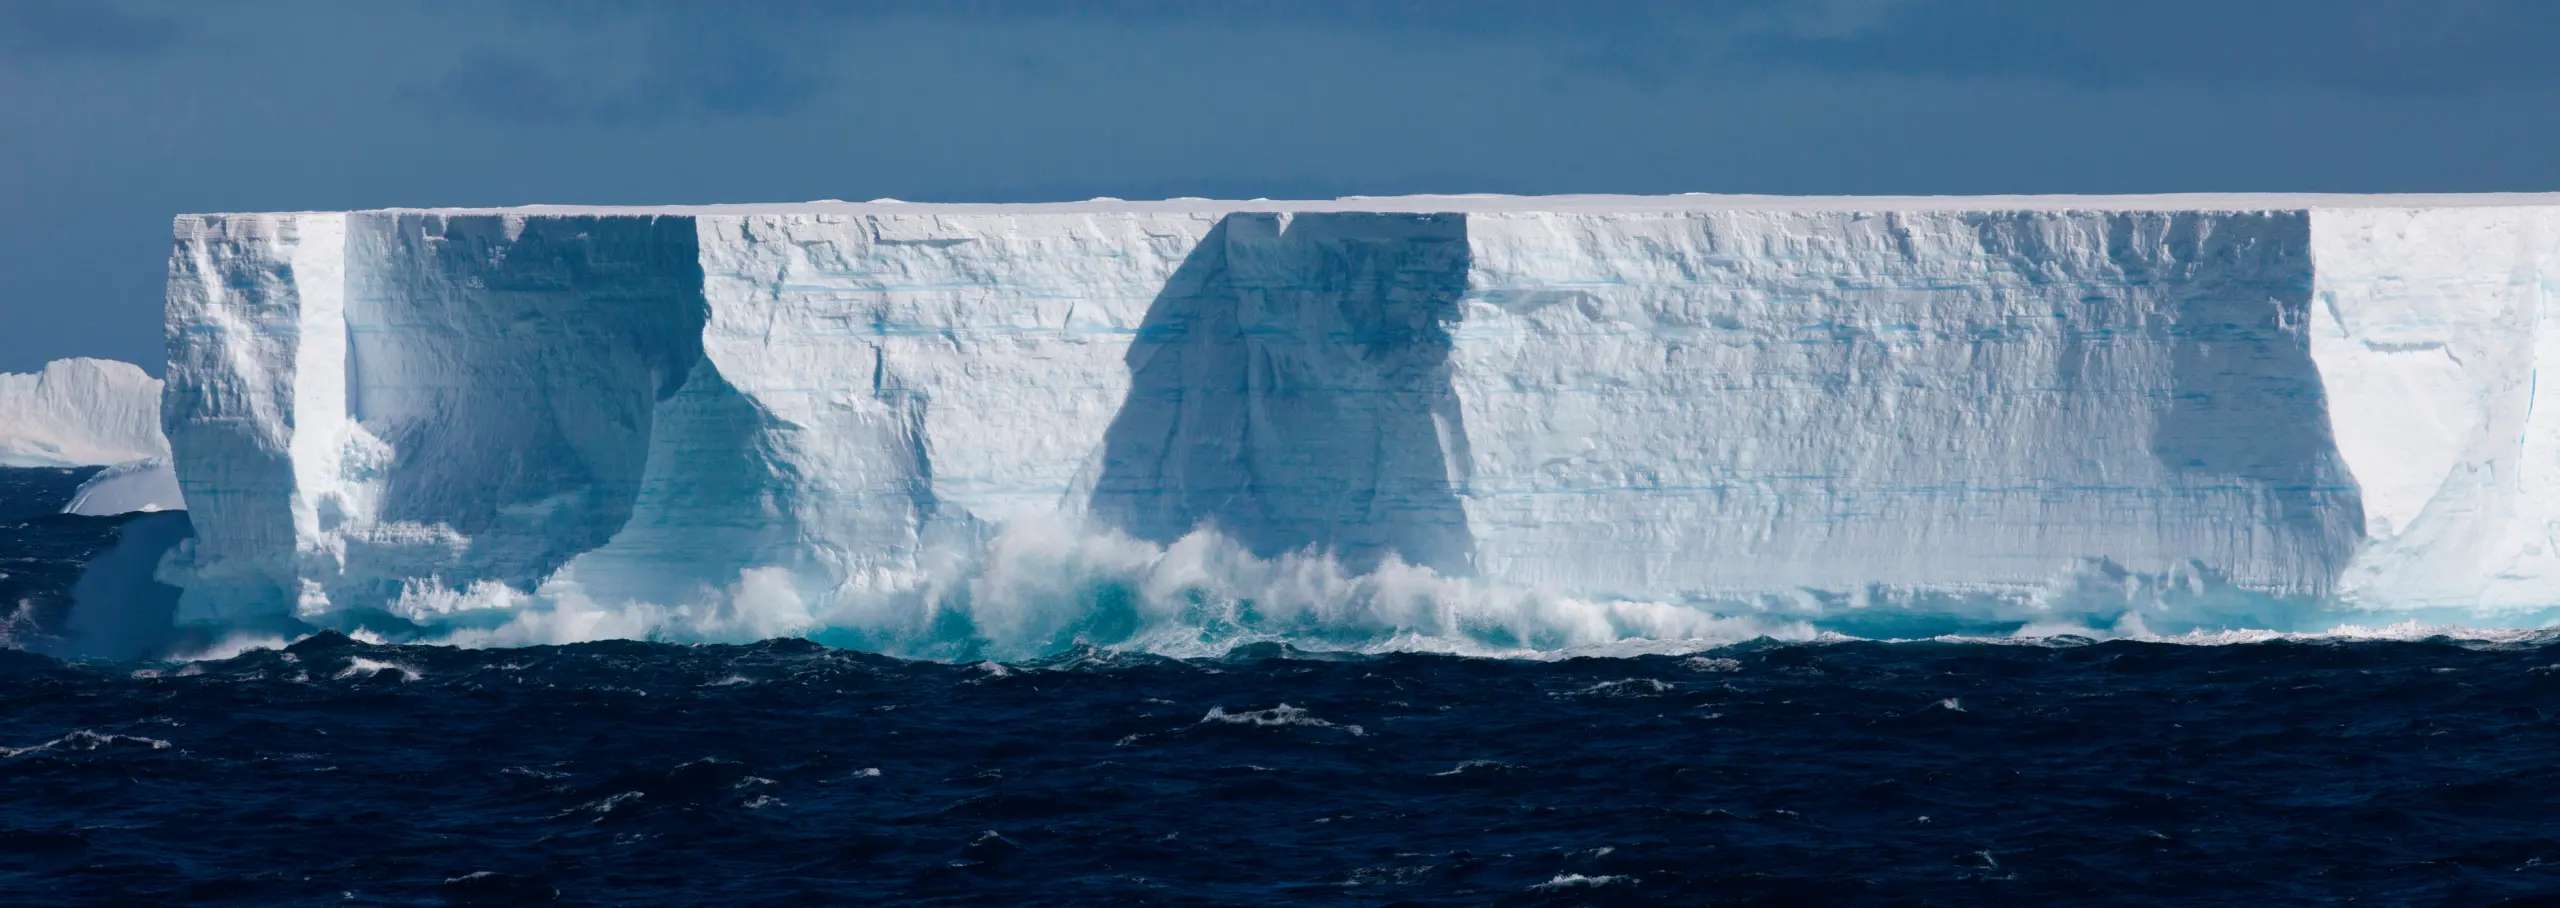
[[682, 59], [120, 113], [674, 74], [701, 59], [641, 63], [2384, 46], [55, 29]]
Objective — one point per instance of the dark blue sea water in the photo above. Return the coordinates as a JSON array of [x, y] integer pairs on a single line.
[[45, 558], [42, 551], [785, 773], [2061, 772]]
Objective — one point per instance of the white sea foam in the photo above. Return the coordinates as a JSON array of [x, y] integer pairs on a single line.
[[2348, 627], [1476, 766], [361, 667], [232, 645], [85, 740], [1277, 716], [1623, 688], [602, 807], [1040, 587], [1577, 881]]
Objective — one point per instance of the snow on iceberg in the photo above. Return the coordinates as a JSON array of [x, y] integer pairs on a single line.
[[1546, 421], [148, 485], [80, 412]]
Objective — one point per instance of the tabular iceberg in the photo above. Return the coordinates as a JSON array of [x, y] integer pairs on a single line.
[[1680, 401], [91, 412], [79, 413]]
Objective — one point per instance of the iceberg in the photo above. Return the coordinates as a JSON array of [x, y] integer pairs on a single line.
[[86, 413], [1693, 402], [144, 486], [80, 413]]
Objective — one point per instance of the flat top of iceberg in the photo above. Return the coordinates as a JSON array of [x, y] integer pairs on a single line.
[[1492, 204]]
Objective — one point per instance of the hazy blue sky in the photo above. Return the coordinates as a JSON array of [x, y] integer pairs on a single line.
[[120, 114]]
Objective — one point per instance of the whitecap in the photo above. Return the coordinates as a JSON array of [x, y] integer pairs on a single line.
[[1624, 687], [1038, 587], [232, 646], [363, 667], [1576, 880], [85, 740], [1278, 716]]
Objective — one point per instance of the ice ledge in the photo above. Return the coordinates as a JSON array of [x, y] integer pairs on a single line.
[[1574, 204]]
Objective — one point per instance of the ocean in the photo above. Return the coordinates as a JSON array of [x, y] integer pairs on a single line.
[[2407, 769]]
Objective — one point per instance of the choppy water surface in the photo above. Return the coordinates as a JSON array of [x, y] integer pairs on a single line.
[[336, 772], [2407, 771], [42, 551]]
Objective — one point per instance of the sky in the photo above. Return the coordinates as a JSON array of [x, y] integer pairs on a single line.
[[117, 114]]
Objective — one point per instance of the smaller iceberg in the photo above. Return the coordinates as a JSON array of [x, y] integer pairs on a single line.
[[147, 485], [81, 413]]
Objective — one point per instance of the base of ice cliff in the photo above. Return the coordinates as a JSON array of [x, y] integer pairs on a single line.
[[413, 414]]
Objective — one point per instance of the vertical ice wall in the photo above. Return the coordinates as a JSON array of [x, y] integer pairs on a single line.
[[1732, 403], [1290, 388], [370, 400], [2433, 326], [502, 378], [880, 392], [257, 350], [877, 390], [1658, 402]]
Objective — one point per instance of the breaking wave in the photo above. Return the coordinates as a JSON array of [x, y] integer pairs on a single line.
[[1037, 590], [1046, 586], [1042, 588]]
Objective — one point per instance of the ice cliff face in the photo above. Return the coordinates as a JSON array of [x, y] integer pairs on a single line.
[[1683, 400], [79, 412]]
